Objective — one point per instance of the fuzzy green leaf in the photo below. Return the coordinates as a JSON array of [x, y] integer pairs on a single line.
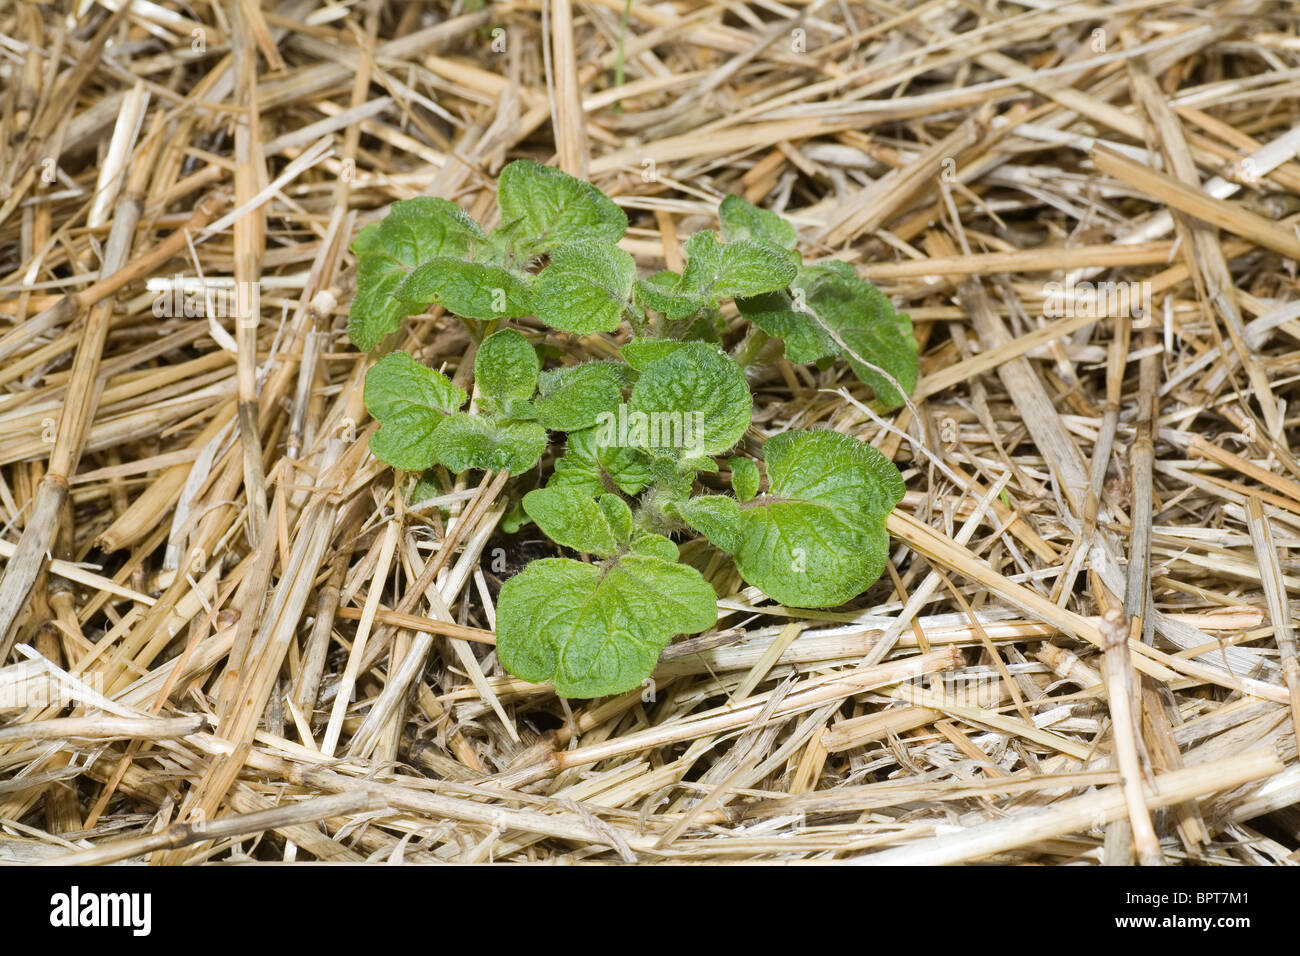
[[829, 310], [698, 464], [716, 270], [868, 329], [744, 478], [414, 231], [429, 486], [817, 538], [419, 229], [597, 468], [741, 220], [543, 209], [376, 310], [466, 441], [662, 292], [586, 288], [505, 370], [410, 401], [597, 630], [718, 518], [571, 518], [655, 545], [618, 515], [572, 398], [694, 402], [472, 290], [777, 314], [514, 519], [641, 353]]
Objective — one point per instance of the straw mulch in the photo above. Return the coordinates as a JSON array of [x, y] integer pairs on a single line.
[[1083, 650]]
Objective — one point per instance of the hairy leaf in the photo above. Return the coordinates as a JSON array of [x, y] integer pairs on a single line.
[[410, 401], [641, 353], [655, 545], [505, 370], [817, 538], [414, 231], [586, 288], [868, 331], [716, 270], [423, 228], [694, 402], [829, 310], [744, 478], [786, 315], [466, 441], [663, 292], [543, 208], [572, 518], [741, 220], [376, 310], [598, 629], [619, 517], [572, 398], [429, 486], [598, 468], [472, 290]]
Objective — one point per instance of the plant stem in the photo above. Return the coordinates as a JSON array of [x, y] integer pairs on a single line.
[[750, 347], [637, 321], [619, 57]]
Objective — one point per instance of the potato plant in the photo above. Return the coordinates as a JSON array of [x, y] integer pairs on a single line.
[[805, 525]]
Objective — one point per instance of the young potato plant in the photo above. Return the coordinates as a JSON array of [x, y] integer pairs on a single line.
[[805, 525]]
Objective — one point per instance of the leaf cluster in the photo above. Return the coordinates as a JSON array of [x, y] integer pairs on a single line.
[[649, 437]]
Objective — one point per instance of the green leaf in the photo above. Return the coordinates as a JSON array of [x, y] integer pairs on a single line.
[[716, 270], [786, 314], [663, 292], [505, 370], [572, 398], [600, 468], [741, 220], [710, 325], [423, 228], [543, 209], [429, 486], [887, 346], [597, 630], [466, 441], [817, 538], [868, 330], [694, 402], [514, 518], [641, 353], [410, 401], [697, 464], [367, 240], [618, 515], [414, 231], [829, 311], [744, 478], [586, 288], [718, 518], [573, 519], [376, 310], [469, 289], [655, 545]]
